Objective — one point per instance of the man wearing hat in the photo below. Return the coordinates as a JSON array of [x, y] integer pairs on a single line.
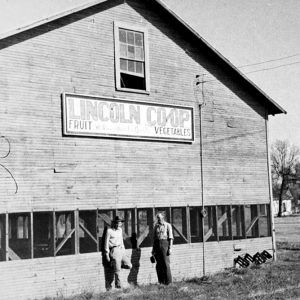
[[115, 251]]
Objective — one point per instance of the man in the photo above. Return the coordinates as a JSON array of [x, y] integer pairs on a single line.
[[162, 249], [115, 252]]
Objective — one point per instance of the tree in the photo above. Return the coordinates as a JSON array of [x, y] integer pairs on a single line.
[[285, 160]]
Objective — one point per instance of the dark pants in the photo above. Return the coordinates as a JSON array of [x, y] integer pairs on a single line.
[[162, 261]]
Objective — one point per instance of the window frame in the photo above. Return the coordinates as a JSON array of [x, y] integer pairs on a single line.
[[133, 27]]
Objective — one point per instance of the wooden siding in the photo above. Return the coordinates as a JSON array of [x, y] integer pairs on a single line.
[[62, 276], [49, 171], [104, 173]]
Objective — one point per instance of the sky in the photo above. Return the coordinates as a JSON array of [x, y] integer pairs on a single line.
[[264, 34]]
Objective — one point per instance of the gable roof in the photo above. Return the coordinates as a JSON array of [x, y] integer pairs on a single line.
[[272, 106]]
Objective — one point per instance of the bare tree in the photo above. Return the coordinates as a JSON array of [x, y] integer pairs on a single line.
[[284, 158]]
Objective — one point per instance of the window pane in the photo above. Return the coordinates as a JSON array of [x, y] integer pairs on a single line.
[[131, 66], [130, 37], [87, 231], [195, 225], [251, 221], [2, 238], [139, 67], [224, 222], [179, 225], [122, 35], [264, 221], [138, 39], [123, 50], [210, 224], [43, 234], [20, 232], [139, 53], [145, 226], [131, 52], [128, 227], [19, 242], [123, 64], [65, 237], [237, 222]]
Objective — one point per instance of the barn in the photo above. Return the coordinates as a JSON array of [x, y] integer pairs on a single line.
[[120, 108]]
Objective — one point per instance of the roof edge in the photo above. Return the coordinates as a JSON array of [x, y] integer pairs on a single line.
[[49, 19], [228, 62]]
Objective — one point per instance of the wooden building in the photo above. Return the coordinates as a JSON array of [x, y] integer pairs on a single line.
[[119, 107]]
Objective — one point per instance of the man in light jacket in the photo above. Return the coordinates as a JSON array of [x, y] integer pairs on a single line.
[[162, 249], [115, 252]]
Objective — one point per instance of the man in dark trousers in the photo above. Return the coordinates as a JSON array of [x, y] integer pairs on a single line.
[[162, 249]]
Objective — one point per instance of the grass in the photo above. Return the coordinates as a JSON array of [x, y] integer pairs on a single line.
[[274, 280]]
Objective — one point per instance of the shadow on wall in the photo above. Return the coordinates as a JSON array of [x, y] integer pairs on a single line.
[[135, 261]]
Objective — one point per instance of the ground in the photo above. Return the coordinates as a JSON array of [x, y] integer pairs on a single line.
[[274, 280]]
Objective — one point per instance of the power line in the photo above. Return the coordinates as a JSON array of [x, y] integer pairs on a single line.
[[258, 70], [271, 60], [265, 69]]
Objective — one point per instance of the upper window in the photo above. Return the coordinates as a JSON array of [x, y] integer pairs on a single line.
[[131, 58]]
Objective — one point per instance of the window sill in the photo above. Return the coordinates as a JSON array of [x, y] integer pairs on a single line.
[[132, 91]]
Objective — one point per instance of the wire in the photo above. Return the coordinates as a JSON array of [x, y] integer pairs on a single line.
[[272, 68], [271, 60], [255, 71]]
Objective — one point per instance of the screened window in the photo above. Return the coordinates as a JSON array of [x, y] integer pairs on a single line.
[[195, 225], [251, 221], [43, 243], [210, 224], [224, 222], [131, 58], [144, 227], [129, 234], [264, 222], [19, 236], [64, 233], [238, 228], [2, 237], [88, 231], [179, 225]]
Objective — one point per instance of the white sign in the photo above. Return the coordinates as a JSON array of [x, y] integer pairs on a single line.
[[108, 117]]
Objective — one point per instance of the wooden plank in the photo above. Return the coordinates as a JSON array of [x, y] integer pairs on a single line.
[[12, 255], [53, 233], [252, 224], [88, 232], [105, 218], [96, 222], [76, 228], [208, 235], [64, 241], [143, 235], [188, 224], [31, 236], [180, 233]]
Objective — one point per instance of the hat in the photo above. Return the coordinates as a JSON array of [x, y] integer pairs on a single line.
[[117, 219]]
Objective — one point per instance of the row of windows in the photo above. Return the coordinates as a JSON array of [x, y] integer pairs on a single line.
[[44, 234]]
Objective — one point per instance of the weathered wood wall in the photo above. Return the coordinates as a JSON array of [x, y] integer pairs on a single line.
[[62, 276], [79, 57], [76, 55]]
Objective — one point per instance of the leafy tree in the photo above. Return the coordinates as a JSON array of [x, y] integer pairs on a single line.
[[285, 165]]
